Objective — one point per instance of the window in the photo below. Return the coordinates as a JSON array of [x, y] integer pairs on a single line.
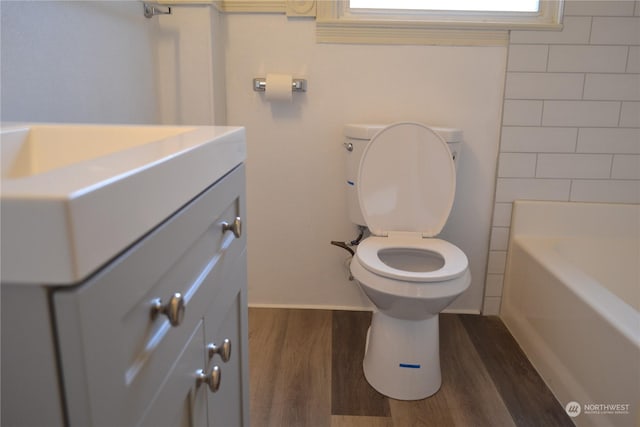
[[450, 5], [449, 22]]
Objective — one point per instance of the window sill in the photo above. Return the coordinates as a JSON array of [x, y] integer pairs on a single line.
[[335, 24], [396, 33]]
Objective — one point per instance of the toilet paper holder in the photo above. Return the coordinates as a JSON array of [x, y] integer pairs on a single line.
[[297, 85]]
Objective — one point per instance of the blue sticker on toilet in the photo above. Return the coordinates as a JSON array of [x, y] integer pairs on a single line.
[[409, 365]]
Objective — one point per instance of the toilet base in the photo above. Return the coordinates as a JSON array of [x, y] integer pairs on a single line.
[[402, 357]]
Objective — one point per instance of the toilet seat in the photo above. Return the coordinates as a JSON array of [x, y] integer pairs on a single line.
[[455, 261], [406, 189]]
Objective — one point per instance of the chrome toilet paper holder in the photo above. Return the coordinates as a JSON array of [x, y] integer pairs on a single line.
[[297, 85]]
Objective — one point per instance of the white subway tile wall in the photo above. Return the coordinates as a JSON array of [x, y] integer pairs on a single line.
[[599, 8], [633, 66], [618, 30], [494, 285], [609, 140], [528, 57], [587, 59], [580, 113], [571, 119], [521, 165], [626, 166], [544, 85], [574, 166], [522, 113], [630, 114], [502, 215], [499, 238]]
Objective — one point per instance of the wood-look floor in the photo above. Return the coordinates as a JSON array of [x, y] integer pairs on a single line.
[[306, 370]]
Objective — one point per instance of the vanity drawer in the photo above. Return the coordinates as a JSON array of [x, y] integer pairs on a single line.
[[115, 352], [185, 401], [181, 402]]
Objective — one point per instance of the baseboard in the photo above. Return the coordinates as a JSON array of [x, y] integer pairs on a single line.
[[344, 307], [460, 311], [312, 307]]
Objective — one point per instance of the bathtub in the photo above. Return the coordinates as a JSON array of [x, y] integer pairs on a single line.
[[572, 301]]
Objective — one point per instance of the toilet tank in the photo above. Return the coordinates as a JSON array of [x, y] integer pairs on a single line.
[[357, 136]]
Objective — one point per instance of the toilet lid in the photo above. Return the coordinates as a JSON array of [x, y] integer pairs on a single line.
[[406, 180]]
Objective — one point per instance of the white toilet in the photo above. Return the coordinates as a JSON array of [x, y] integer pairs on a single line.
[[401, 183]]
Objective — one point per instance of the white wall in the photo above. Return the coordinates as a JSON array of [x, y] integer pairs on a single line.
[[77, 62], [571, 126], [104, 62], [296, 174], [190, 66]]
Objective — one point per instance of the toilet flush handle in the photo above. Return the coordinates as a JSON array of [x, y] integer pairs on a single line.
[[348, 146]]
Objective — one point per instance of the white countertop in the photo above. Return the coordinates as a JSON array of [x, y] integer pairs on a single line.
[[74, 196]]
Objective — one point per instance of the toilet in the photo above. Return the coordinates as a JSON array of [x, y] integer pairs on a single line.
[[401, 185]]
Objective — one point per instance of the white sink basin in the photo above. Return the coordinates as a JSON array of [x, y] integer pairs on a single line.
[[36, 149], [74, 196]]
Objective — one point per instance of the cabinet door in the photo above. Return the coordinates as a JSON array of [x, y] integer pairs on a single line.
[[181, 402], [227, 319], [116, 348]]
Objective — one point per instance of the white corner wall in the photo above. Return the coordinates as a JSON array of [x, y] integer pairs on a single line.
[[571, 125], [190, 66], [296, 174]]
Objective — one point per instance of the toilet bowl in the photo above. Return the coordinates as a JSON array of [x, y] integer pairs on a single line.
[[405, 188], [398, 285]]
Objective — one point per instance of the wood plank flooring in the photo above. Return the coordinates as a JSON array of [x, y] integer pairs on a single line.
[[306, 370]]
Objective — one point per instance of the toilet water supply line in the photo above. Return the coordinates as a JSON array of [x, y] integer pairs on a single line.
[[347, 246]]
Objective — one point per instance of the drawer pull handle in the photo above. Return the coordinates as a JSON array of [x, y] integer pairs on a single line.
[[174, 309], [235, 226], [212, 379], [223, 350]]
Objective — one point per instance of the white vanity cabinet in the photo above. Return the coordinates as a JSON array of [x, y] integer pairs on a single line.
[[184, 402], [131, 341]]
